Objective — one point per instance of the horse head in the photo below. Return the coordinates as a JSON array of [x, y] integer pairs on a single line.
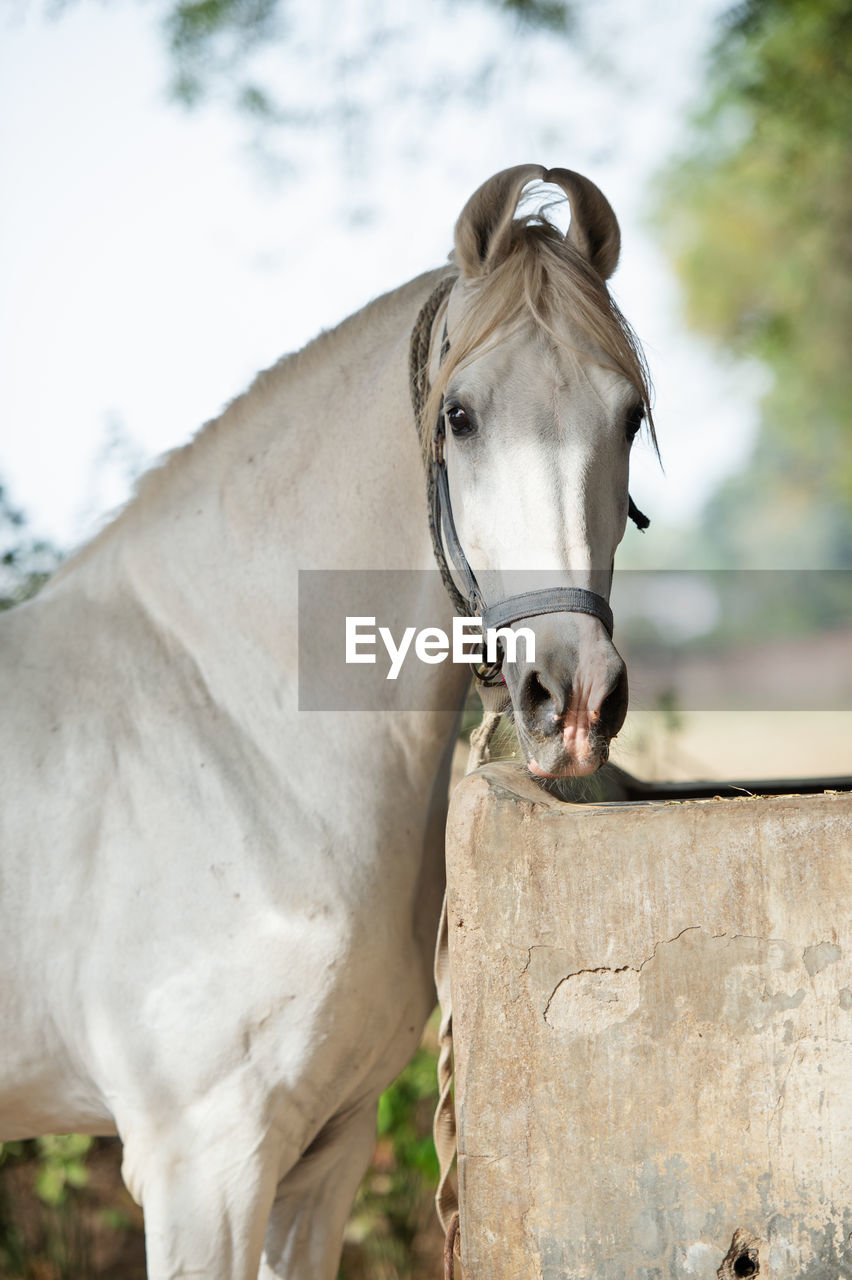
[[539, 387]]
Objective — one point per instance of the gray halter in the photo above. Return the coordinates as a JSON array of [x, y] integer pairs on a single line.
[[470, 602]]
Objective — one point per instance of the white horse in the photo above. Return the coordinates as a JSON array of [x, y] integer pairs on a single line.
[[218, 911]]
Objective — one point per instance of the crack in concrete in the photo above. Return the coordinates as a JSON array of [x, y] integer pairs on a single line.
[[536, 946], [578, 973], [781, 1096], [637, 968]]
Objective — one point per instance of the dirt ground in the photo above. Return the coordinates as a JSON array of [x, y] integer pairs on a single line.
[[97, 1232], [736, 745], [708, 716]]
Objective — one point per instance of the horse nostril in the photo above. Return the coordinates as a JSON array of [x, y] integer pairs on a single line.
[[614, 707], [536, 691], [538, 704]]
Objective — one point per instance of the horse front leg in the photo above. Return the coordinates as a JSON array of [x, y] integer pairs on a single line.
[[305, 1234], [206, 1204]]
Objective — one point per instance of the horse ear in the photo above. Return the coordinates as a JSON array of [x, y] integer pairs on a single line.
[[594, 227], [484, 228]]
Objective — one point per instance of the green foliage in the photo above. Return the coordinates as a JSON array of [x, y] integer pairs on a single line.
[[194, 22], [51, 1240], [13, 1249], [392, 1226], [63, 1165], [757, 221], [25, 562], [400, 1116], [550, 15], [212, 44], [209, 36]]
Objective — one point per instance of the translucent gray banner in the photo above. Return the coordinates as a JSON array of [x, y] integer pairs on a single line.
[[768, 640]]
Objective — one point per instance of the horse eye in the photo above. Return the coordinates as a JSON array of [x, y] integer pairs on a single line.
[[460, 423], [634, 420]]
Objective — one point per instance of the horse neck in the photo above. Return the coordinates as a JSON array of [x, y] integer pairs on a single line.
[[317, 466]]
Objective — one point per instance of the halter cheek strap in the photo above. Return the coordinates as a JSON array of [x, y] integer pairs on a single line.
[[526, 604], [445, 526]]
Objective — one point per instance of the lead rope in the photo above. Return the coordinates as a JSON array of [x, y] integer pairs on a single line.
[[418, 378], [444, 1124], [494, 700]]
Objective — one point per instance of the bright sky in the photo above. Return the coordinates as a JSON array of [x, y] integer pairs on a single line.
[[150, 266]]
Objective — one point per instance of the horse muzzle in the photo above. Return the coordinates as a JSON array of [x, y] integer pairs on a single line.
[[569, 704]]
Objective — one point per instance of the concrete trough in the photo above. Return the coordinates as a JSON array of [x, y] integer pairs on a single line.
[[652, 1012]]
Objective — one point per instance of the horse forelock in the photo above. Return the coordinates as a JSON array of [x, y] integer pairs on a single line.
[[545, 281]]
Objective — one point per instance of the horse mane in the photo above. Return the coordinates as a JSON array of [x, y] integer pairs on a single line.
[[257, 398], [544, 280]]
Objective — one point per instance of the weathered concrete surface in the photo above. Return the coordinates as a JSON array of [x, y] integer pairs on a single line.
[[653, 1034]]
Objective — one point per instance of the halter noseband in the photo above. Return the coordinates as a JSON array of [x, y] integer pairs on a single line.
[[471, 603]]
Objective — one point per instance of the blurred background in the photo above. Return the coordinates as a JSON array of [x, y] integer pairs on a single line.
[[193, 187]]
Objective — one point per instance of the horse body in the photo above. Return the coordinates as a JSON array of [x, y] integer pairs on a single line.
[[219, 910]]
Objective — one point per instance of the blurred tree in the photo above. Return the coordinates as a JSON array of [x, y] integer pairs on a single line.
[[25, 562], [214, 40], [757, 222]]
